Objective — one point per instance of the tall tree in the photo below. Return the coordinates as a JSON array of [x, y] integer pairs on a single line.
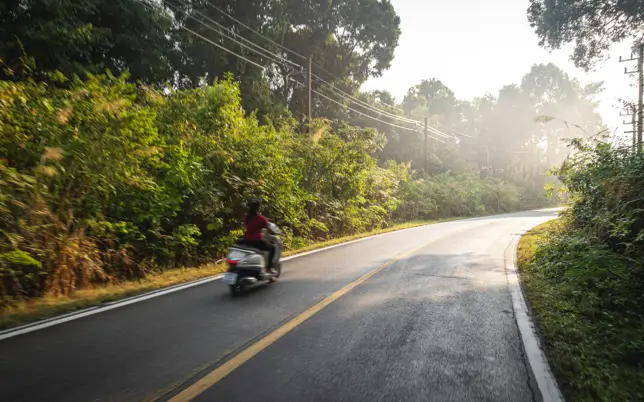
[[593, 25], [351, 40], [90, 36]]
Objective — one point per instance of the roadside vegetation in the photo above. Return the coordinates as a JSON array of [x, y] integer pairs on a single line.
[[23, 311], [129, 145], [583, 273], [584, 277]]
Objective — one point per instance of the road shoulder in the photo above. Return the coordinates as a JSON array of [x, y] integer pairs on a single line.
[[534, 352]]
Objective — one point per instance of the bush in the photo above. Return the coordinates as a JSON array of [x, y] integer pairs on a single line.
[[585, 279], [586, 301], [102, 180]]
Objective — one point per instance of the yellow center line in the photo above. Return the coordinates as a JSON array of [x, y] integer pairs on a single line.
[[222, 371]]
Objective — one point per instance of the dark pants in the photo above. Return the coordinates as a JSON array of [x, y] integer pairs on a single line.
[[262, 245]]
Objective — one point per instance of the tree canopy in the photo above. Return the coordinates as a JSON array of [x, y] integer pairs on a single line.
[[110, 174], [593, 25]]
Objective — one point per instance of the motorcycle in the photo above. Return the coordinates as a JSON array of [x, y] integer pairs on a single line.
[[248, 267]]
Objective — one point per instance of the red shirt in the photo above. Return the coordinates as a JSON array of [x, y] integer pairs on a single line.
[[254, 226]]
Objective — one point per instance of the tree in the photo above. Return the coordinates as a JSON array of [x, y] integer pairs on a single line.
[[351, 40], [430, 98], [90, 36], [593, 25]]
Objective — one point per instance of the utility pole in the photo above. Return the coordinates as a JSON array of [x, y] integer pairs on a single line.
[[310, 90], [640, 102], [425, 153], [640, 91], [633, 123]]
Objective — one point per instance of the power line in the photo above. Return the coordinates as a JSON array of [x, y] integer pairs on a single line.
[[375, 109], [209, 3], [206, 39], [454, 131], [224, 48], [366, 105], [371, 117], [174, 8], [438, 132], [344, 94]]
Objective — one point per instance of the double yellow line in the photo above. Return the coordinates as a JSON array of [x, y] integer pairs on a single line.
[[222, 371]]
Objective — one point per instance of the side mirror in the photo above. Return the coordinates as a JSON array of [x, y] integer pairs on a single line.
[[273, 228]]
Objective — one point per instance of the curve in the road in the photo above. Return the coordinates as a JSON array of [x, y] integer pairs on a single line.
[[222, 371], [75, 315], [435, 323]]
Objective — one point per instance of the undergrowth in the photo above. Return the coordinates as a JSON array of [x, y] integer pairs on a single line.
[[26, 311], [588, 304]]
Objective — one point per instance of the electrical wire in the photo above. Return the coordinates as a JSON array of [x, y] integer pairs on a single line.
[[228, 36], [356, 100], [454, 131], [346, 97], [373, 118], [209, 3], [345, 94], [206, 39]]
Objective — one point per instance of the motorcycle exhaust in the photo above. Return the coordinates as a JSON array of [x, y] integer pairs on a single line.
[[248, 280]]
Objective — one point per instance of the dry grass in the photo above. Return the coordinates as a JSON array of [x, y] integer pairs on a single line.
[[345, 239], [47, 307]]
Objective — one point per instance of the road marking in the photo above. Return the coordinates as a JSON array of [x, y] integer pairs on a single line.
[[537, 359], [99, 309], [231, 365], [50, 322], [75, 315]]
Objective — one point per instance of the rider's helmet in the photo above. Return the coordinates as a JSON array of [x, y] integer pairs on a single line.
[[254, 205]]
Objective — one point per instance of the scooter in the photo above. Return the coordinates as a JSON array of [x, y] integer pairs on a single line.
[[248, 267]]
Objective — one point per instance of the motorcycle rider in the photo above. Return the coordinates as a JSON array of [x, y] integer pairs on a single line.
[[254, 222]]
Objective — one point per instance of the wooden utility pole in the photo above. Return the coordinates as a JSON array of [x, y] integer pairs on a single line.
[[640, 92], [310, 91], [634, 126], [425, 152], [640, 101], [632, 123]]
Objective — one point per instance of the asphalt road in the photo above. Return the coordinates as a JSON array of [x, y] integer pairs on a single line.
[[436, 325]]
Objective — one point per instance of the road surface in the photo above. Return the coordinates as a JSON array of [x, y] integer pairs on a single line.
[[436, 324]]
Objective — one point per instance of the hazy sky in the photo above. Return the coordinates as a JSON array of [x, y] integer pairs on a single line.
[[478, 46]]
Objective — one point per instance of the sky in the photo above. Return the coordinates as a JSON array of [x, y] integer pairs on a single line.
[[478, 46]]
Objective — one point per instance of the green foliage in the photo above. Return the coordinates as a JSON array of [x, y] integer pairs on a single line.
[[102, 180], [353, 40], [587, 302], [91, 36], [445, 195], [604, 182], [585, 279], [592, 25]]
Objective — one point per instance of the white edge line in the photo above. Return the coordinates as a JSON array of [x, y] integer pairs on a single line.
[[50, 322], [537, 359], [99, 309]]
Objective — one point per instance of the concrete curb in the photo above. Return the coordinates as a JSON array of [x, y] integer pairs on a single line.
[[537, 359]]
